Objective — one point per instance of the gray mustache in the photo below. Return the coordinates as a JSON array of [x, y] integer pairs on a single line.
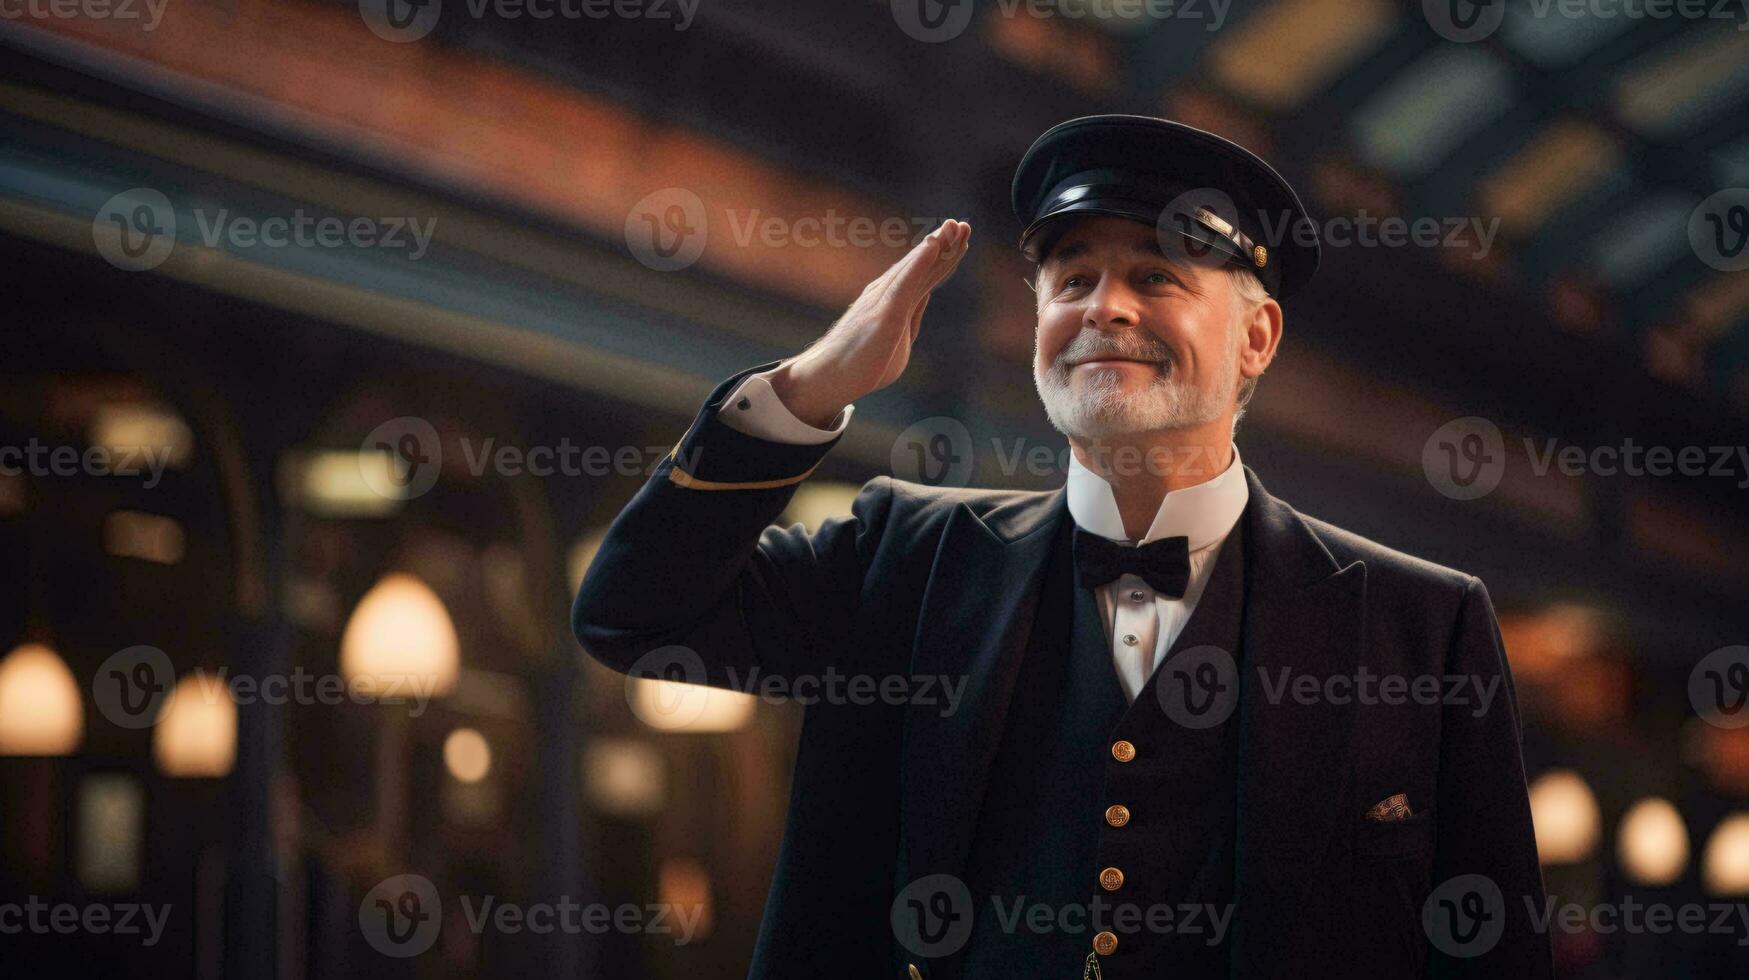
[[1093, 345]]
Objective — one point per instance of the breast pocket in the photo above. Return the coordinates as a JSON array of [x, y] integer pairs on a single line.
[[1395, 838]]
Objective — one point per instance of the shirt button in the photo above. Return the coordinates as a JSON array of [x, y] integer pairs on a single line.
[[1117, 815], [1105, 943], [1111, 879], [1129, 639], [1138, 595], [1123, 751]]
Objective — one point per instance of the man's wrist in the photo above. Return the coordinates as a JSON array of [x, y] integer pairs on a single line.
[[803, 393]]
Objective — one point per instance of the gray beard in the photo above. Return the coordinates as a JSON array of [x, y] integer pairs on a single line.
[[1101, 410]]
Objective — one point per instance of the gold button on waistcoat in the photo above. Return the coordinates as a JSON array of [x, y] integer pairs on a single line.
[[1105, 943], [915, 973], [1111, 879], [1117, 815], [1122, 751]]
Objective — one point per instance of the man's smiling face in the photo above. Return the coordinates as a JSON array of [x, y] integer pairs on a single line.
[[1130, 340]]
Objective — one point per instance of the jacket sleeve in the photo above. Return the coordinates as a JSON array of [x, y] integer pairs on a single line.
[[1485, 837], [692, 583]]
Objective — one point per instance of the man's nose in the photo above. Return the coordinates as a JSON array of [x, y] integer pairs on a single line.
[[1112, 306]]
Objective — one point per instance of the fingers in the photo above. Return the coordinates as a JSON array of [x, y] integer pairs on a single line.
[[932, 261], [952, 253]]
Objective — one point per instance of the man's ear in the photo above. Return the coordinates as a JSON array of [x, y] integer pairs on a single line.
[[1261, 336]]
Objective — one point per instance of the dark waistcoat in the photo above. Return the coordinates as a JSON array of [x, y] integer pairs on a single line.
[[1038, 867]]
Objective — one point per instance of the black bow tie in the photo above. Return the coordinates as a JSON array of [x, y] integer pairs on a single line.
[[1163, 564]]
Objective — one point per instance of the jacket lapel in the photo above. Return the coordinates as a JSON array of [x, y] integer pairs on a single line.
[[976, 616], [1304, 616]]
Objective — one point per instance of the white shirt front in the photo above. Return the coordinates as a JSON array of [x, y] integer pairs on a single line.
[[1140, 624]]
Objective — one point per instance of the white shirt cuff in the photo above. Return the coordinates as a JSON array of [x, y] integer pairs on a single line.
[[754, 409]]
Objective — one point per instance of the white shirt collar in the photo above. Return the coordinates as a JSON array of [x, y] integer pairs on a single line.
[[1203, 513]]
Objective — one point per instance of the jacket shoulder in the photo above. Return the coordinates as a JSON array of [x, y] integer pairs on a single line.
[[1384, 563], [1009, 513]]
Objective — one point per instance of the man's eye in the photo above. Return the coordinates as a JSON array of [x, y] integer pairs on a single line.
[[1160, 278], [1074, 282]]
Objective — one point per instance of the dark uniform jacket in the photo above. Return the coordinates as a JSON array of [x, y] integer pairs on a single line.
[[922, 584]]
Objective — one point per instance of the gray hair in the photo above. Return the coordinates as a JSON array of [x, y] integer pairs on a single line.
[[1249, 293]]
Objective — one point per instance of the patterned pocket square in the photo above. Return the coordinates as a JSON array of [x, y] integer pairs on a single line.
[[1391, 808]]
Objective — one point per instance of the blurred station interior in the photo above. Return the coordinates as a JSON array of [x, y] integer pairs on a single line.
[[537, 151]]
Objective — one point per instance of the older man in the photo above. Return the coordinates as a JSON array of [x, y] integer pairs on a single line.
[[1197, 733]]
